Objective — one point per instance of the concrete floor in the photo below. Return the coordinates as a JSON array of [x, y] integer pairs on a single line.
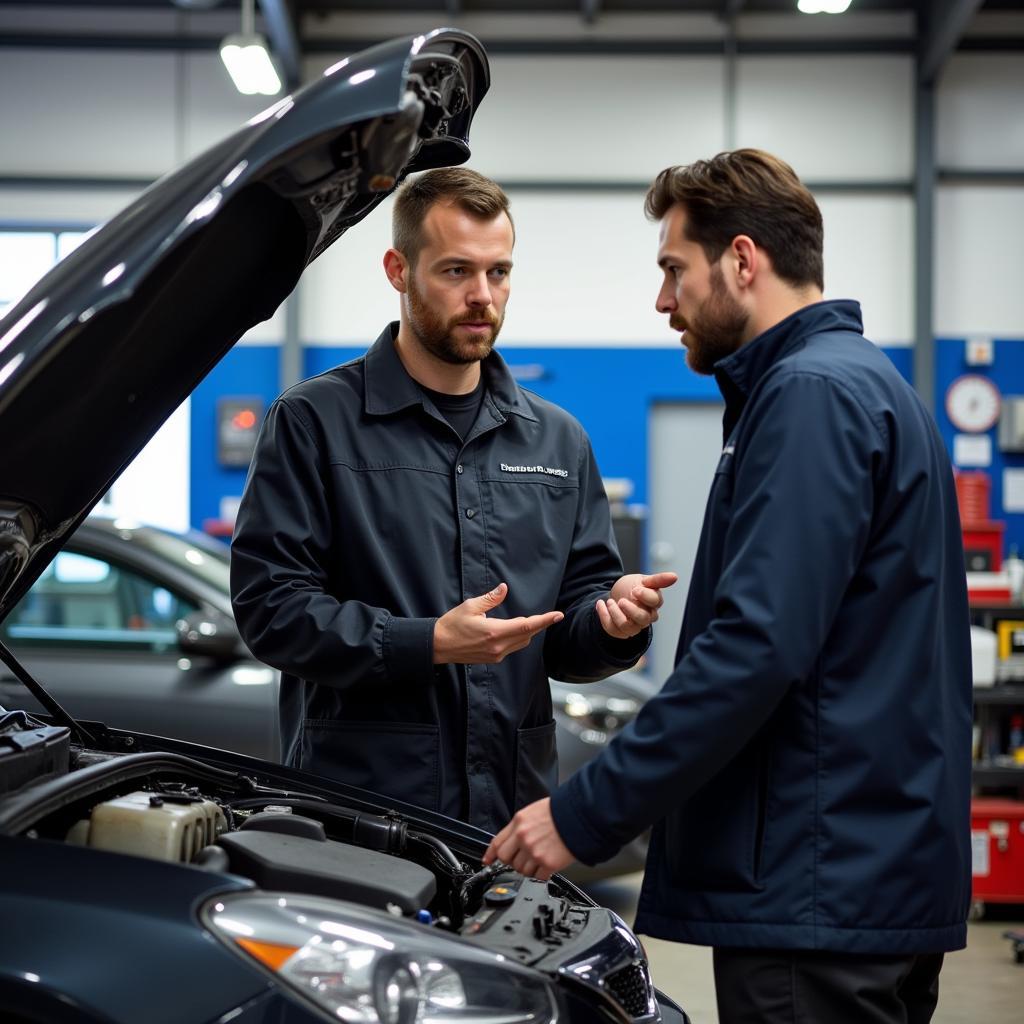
[[979, 985]]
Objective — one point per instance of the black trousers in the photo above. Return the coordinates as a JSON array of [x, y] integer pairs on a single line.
[[764, 986]]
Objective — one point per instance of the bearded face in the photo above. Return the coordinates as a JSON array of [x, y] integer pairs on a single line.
[[715, 329], [466, 337]]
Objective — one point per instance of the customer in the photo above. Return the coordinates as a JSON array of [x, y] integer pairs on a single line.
[[414, 520], [808, 761]]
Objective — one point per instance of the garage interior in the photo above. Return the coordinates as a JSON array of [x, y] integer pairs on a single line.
[[906, 120]]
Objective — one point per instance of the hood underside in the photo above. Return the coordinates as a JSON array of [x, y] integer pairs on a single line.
[[104, 348]]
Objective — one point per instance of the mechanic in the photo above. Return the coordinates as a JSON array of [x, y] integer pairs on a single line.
[[422, 543], [807, 764]]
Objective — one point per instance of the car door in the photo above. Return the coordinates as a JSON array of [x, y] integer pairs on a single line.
[[101, 637]]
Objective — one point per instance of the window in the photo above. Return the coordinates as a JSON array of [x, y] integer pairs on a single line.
[[84, 600], [25, 256]]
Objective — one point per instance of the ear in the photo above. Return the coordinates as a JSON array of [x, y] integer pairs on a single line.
[[747, 260], [397, 269]]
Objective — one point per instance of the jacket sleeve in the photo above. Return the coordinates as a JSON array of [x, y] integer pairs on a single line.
[[578, 649], [802, 514], [284, 534]]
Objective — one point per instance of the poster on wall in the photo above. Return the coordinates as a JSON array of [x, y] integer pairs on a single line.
[[974, 450]]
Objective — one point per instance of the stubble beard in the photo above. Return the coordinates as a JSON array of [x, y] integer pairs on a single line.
[[437, 335], [716, 329]]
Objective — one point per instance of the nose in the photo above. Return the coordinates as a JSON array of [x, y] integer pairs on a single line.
[[478, 292], [666, 301]]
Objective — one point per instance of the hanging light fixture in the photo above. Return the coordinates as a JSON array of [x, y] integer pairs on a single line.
[[247, 58], [822, 6]]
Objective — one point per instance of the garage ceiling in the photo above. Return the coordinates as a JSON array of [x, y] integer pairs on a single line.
[[929, 29]]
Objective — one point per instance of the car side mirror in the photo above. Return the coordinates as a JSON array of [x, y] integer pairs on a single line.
[[208, 634]]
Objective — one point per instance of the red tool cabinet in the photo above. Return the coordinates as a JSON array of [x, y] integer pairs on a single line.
[[997, 850]]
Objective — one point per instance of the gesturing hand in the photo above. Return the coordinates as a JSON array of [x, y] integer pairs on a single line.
[[634, 603], [465, 636]]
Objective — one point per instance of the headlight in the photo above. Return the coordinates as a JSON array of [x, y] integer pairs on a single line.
[[593, 716], [363, 967]]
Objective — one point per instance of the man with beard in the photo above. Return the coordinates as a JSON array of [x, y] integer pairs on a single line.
[[413, 522], [807, 764]]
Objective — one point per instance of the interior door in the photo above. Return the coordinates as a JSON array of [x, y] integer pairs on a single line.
[[685, 444]]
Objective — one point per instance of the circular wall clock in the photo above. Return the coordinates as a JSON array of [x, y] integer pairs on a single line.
[[972, 403]]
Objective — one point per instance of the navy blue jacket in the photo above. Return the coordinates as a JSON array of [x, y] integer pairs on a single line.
[[808, 761], [364, 518]]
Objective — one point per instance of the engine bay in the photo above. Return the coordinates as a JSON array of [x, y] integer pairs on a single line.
[[238, 821], [294, 844]]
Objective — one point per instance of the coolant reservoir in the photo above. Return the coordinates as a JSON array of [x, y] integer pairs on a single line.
[[151, 825]]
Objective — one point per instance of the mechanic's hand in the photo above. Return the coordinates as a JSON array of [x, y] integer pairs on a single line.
[[465, 636], [530, 843], [634, 603]]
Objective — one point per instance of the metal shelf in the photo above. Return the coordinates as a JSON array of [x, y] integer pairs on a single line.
[[985, 775], [1001, 693]]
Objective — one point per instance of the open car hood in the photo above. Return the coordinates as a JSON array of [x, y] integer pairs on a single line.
[[104, 348]]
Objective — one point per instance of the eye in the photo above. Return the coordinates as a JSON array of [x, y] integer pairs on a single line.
[[500, 272], [455, 271]]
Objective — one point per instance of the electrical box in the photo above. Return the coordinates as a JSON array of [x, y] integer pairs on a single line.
[[1011, 424], [979, 352], [238, 425]]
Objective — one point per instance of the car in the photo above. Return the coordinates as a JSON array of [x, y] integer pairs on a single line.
[[148, 878], [131, 625]]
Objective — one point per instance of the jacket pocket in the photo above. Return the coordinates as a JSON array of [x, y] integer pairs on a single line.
[[716, 839], [536, 763], [394, 759]]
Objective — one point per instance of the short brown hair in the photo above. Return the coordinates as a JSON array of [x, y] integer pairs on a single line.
[[746, 192], [458, 186]]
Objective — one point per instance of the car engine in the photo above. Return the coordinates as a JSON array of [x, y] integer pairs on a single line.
[[170, 807]]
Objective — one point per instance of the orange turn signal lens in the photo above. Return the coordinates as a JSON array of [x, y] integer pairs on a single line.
[[270, 954]]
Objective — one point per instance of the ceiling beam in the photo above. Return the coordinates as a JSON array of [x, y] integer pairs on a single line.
[[284, 40], [944, 23]]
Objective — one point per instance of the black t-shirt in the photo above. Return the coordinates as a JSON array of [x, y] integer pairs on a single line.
[[459, 410]]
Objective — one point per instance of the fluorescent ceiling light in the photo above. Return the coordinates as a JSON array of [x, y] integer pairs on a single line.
[[249, 65], [248, 60], [822, 6]]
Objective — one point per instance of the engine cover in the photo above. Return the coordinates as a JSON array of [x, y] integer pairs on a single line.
[[327, 868]]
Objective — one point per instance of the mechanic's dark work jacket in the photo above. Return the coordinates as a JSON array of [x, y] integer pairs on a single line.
[[364, 519], [808, 761]]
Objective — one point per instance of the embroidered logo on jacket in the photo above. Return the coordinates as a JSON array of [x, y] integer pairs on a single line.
[[506, 468]]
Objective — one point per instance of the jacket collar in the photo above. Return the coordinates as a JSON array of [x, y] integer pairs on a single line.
[[737, 374], [389, 387]]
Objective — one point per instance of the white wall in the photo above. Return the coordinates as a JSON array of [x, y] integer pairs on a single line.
[[980, 124], [584, 270], [833, 118], [978, 285], [596, 118]]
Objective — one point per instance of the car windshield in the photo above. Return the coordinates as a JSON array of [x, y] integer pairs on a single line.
[[199, 554]]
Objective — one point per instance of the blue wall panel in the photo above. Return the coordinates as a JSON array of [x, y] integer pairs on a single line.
[[611, 390], [246, 370], [1007, 373]]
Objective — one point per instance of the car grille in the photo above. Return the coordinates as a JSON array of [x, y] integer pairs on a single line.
[[631, 989]]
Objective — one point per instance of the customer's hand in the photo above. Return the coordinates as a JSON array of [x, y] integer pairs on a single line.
[[465, 636], [634, 603], [530, 843]]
